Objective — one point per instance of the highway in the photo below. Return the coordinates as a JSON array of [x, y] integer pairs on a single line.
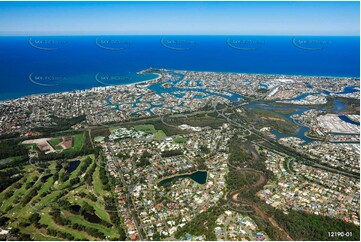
[[274, 147]]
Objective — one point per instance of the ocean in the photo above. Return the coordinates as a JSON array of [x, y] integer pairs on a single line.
[[48, 64]]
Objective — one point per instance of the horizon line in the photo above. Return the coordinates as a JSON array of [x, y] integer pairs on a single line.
[[225, 34]]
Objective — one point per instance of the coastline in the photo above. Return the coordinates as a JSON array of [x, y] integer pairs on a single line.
[[158, 76], [267, 74], [144, 82]]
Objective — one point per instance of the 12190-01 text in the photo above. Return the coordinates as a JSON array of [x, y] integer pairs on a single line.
[[339, 234]]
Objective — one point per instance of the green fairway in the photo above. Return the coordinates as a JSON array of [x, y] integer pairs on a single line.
[[97, 184], [78, 235], [39, 234], [40, 237], [41, 193], [78, 219], [11, 200], [98, 207]]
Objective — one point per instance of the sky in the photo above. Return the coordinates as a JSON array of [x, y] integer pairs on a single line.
[[173, 18]]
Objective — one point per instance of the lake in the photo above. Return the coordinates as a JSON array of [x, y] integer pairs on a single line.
[[72, 166], [199, 177]]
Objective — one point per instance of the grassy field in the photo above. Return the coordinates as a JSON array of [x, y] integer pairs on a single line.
[[159, 135], [54, 143], [148, 128], [40, 192], [180, 139], [78, 141]]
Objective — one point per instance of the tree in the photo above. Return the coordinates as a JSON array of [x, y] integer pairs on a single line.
[[34, 218]]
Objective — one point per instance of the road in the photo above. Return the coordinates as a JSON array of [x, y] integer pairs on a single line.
[[274, 147], [261, 181], [140, 228]]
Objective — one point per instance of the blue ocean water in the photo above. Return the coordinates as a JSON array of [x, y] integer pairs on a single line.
[[31, 65]]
